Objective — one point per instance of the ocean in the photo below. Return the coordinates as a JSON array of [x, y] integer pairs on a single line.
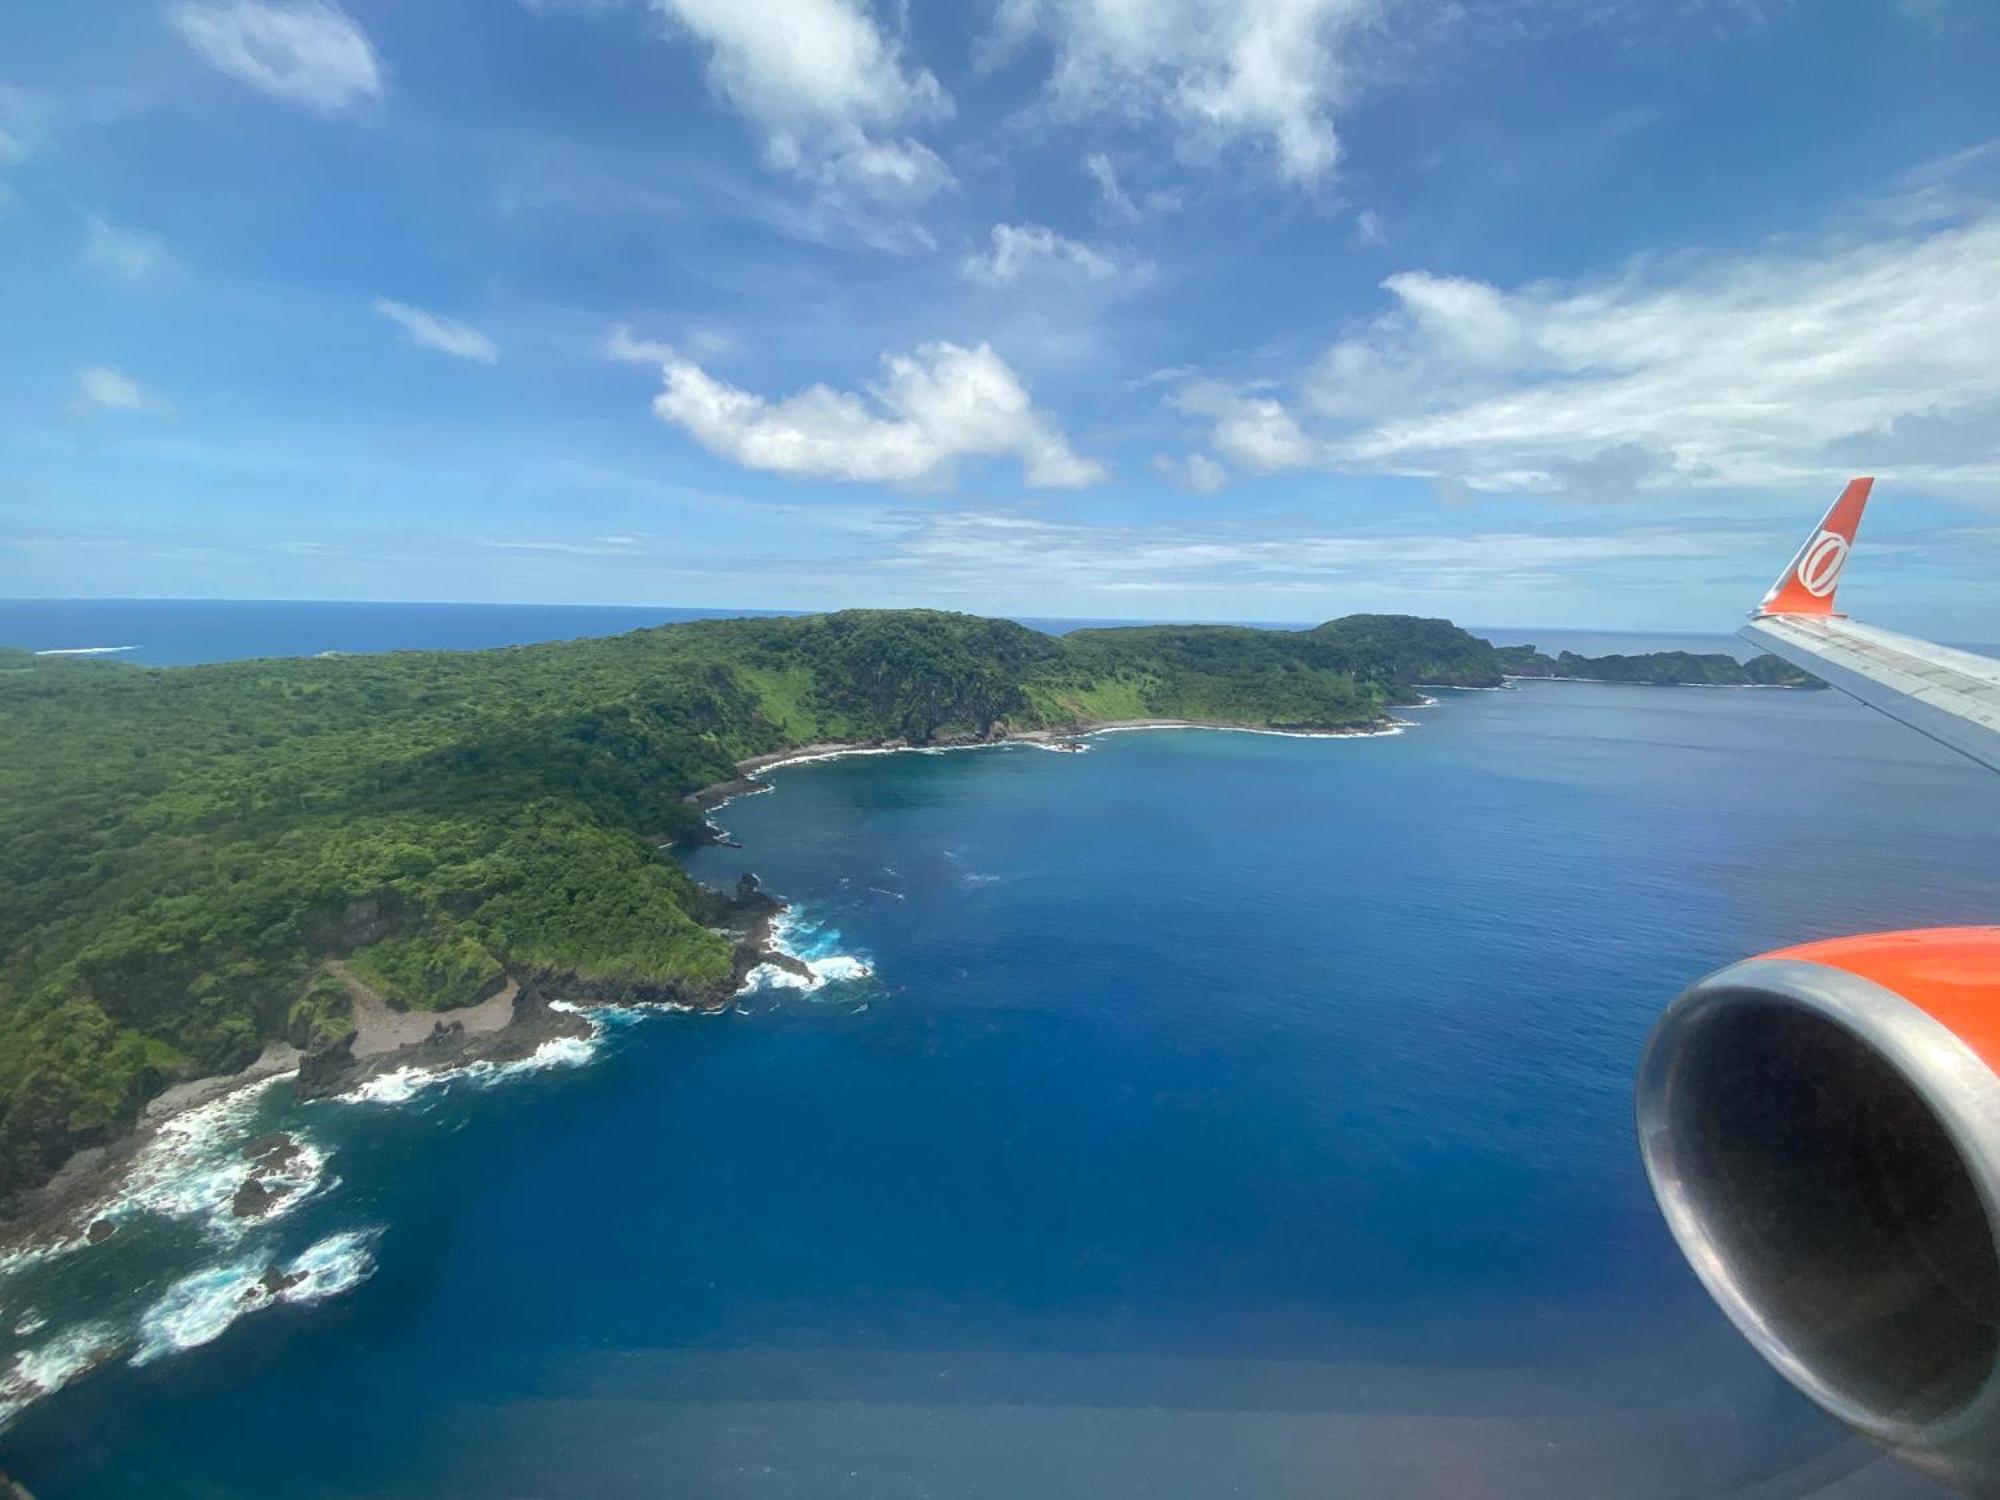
[[1207, 1113]]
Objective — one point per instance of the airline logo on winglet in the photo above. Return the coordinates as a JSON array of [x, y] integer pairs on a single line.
[[1806, 587]]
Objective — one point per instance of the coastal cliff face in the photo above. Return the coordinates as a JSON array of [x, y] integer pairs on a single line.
[[185, 852]]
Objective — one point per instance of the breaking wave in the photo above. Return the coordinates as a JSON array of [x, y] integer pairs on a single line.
[[404, 1084], [46, 1369], [198, 1309], [195, 1165], [812, 945]]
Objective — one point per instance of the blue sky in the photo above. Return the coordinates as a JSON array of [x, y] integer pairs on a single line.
[[1545, 312]]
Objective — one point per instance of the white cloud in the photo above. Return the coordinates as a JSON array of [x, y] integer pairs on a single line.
[[1114, 204], [603, 546], [1197, 471], [1205, 474], [112, 389], [1369, 228], [932, 407], [307, 52], [979, 551], [1767, 368], [1255, 431], [131, 256], [1031, 252], [829, 94], [446, 335], [24, 123], [630, 348], [1269, 73]]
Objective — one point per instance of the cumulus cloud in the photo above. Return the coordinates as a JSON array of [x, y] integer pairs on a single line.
[[109, 389], [306, 52], [427, 330], [1758, 369], [131, 256], [1267, 73], [829, 94], [1255, 431], [939, 404], [1033, 252], [1197, 471]]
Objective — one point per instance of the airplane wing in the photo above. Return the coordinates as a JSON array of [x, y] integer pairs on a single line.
[[1952, 696]]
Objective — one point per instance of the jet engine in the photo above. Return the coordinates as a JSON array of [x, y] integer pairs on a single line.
[[1822, 1129]]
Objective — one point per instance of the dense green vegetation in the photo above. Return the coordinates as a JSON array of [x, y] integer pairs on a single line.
[[1659, 668], [182, 850]]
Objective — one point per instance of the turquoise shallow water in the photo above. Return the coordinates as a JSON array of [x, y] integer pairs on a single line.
[[1224, 1114]]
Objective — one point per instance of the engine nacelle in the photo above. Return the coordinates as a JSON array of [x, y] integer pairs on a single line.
[[1822, 1128]]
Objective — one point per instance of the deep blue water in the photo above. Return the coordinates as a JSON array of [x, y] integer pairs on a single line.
[[1227, 1114]]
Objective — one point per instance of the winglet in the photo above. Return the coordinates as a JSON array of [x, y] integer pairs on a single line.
[[1806, 587]]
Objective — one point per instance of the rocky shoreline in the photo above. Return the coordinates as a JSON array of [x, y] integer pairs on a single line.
[[545, 1008]]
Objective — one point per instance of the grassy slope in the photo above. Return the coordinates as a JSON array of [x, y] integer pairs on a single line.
[[180, 849]]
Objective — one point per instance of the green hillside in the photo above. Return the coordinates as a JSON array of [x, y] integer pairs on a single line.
[[182, 849]]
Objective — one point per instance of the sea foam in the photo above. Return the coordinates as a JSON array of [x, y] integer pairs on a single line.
[[813, 946], [44, 1370], [199, 1309], [404, 1084], [194, 1166]]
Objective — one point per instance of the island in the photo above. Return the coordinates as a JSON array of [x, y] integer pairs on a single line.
[[1656, 668], [292, 863]]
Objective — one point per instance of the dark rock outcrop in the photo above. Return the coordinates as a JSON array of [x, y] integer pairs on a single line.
[[327, 1069], [272, 1153], [253, 1200]]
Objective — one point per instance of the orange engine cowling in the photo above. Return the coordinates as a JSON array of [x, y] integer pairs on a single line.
[[1822, 1128]]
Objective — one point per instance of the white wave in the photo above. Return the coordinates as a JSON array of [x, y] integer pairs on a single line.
[[397, 1087], [975, 878], [613, 1015], [334, 1265], [404, 1084], [194, 1166], [40, 1372], [838, 966], [30, 1323], [199, 1308], [772, 977], [557, 1052], [812, 946], [20, 1258], [84, 650]]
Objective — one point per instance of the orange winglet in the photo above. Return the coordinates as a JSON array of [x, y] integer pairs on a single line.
[[1806, 587]]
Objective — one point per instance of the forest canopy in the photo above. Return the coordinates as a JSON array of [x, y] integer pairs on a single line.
[[183, 849]]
